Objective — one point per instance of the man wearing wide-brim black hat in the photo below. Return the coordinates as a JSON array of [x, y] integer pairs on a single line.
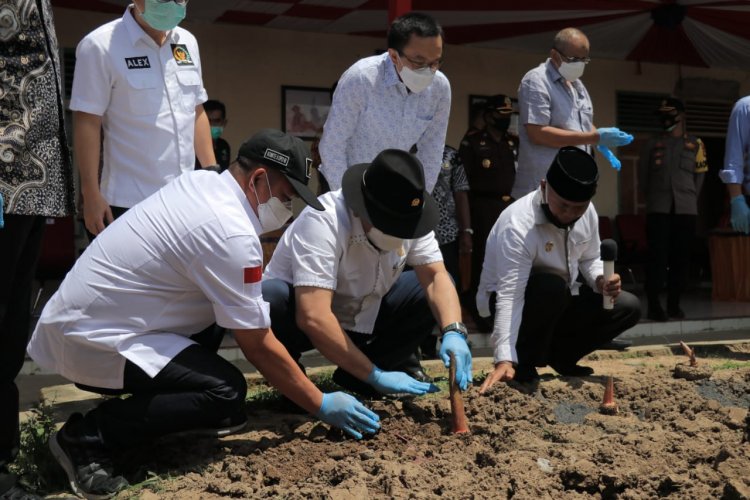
[[336, 281], [535, 252]]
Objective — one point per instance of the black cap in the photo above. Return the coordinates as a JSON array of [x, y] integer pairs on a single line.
[[671, 105], [283, 152], [390, 194], [500, 103], [573, 174]]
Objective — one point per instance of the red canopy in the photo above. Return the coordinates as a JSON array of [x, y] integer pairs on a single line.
[[712, 33]]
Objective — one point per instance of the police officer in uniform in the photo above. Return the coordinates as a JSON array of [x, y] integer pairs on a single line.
[[671, 170], [489, 157]]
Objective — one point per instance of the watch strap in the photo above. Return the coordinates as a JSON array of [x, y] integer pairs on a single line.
[[455, 327]]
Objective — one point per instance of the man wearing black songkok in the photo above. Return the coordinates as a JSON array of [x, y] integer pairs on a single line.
[[535, 253]]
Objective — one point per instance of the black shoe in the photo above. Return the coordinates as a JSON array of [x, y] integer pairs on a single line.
[[572, 370], [227, 427], [675, 312], [419, 375], [617, 345], [525, 373], [656, 313], [354, 385], [87, 465]]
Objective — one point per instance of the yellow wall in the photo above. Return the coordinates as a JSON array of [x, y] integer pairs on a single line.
[[246, 66]]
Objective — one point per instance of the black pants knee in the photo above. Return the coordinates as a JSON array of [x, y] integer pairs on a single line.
[[197, 389], [560, 328]]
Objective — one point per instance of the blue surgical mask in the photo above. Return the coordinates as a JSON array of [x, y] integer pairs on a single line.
[[164, 16], [216, 132]]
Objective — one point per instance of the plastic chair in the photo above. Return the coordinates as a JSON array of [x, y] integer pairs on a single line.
[[633, 245], [57, 255]]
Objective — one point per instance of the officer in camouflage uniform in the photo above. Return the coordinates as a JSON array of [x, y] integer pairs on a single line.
[[671, 170], [489, 157]]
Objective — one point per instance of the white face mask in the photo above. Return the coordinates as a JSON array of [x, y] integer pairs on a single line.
[[383, 241], [572, 71], [416, 80], [273, 214]]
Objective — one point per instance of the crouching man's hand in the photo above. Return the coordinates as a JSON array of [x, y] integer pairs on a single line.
[[346, 412], [503, 372]]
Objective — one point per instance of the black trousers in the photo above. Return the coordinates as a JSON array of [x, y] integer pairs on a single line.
[[20, 242], [560, 328], [670, 240], [198, 389], [404, 320]]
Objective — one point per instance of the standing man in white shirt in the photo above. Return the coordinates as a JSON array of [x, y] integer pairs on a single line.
[[138, 79], [395, 100], [123, 318], [336, 280], [556, 111], [535, 252]]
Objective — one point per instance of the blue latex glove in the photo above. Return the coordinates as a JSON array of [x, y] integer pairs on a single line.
[[454, 342], [341, 410], [740, 215], [613, 137], [397, 382], [610, 156], [2, 208]]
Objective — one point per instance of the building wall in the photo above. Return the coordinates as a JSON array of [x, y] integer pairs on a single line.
[[246, 66]]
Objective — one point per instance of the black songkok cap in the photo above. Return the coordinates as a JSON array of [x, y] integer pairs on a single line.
[[573, 174]]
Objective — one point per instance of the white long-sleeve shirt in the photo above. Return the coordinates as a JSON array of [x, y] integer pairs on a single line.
[[523, 242]]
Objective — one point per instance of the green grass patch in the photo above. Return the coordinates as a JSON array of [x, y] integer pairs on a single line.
[[37, 469], [732, 365]]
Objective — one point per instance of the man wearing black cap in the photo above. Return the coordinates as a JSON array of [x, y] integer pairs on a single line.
[[182, 259], [671, 170], [489, 157], [543, 315], [336, 280]]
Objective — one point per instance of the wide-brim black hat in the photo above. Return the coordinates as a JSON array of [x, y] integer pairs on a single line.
[[390, 194], [286, 154]]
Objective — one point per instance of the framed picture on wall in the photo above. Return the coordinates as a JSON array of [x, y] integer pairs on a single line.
[[304, 110]]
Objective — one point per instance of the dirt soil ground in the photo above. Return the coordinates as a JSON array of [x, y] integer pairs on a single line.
[[672, 438]]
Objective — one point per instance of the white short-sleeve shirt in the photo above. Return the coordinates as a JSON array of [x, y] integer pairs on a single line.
[[183, 258], [146, 96], [329, 249]]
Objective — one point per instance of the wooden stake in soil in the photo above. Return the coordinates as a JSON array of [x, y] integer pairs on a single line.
[[690, 353], [458, 416], [608, 406]]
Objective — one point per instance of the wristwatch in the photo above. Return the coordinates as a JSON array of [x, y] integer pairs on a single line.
[[455, 327], [468, 230]]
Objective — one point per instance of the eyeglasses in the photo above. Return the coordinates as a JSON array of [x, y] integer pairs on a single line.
[[178, 2], [568, 59], [434, 66]]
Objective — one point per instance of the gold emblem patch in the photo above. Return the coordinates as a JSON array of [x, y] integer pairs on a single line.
[[415, 202], [549, 246], [486, 163]]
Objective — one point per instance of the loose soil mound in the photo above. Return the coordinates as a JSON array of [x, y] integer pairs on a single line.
[[672, 438]]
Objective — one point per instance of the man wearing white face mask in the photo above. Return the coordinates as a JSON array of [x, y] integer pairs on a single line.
[[137, 99], [556, 111], [124, 319], [394, 100], [336, 280]]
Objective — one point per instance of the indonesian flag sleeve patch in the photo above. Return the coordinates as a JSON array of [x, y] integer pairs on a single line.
[[252, 275]]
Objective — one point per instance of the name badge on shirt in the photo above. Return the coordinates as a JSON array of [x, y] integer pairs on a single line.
[[182, 55], [140, 62]]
